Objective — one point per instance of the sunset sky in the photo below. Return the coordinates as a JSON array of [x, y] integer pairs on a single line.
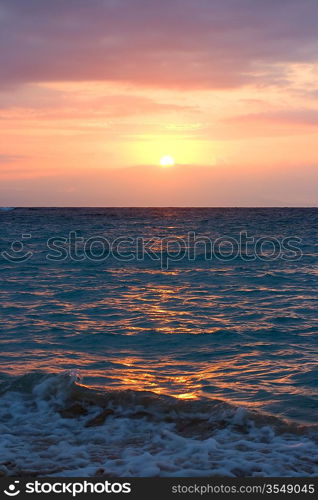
[[93, 93]]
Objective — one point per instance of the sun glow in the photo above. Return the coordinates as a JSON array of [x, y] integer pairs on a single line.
[[167, 161]]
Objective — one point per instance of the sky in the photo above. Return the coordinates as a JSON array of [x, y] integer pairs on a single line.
[[94, 93]]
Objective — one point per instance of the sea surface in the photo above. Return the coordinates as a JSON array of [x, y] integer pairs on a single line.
[[180, 360]]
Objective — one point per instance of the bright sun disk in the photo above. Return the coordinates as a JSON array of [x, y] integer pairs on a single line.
[[167, 161]]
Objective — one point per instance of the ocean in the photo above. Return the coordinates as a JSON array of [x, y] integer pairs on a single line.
[[143, 342]]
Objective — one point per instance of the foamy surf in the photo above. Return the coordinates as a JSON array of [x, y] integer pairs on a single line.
[[52, 425]]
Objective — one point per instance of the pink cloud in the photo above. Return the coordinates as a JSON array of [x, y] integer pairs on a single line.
[[180, 43]]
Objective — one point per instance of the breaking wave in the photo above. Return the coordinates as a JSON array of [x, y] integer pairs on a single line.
[[53, 425]]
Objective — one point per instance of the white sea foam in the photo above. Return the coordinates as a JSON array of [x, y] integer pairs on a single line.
[[146, 435]]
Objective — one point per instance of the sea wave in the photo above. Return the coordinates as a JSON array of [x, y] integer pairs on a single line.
[[54, 425]]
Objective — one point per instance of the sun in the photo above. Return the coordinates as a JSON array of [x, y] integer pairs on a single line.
[[167, 161]]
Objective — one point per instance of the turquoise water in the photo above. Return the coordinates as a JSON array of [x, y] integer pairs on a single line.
[[216, 337]]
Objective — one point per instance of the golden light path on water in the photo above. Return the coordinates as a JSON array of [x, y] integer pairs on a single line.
[[169, 311]]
